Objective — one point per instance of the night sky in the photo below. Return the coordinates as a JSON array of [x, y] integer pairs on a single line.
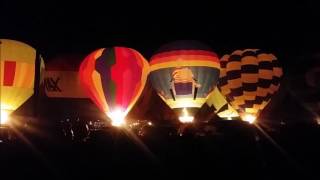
[[288, 29], [58, 28]]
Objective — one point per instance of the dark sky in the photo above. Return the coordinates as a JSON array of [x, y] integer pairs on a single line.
[[56, 27]]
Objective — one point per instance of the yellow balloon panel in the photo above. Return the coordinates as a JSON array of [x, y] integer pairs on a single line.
[[17, 73], [221, 106], [216, 99], [17, 51], [12, 98], [228, 113]]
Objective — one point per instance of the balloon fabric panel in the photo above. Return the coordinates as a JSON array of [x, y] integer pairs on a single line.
[[114, 77], [249, 78], [184, 78], [17, 73]]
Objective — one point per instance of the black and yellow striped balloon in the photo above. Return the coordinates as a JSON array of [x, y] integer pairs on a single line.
[[248, 80]]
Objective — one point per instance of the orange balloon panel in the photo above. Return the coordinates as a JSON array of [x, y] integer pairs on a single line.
[[249, 79], [114, 78]]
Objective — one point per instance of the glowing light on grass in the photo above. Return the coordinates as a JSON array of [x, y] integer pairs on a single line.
[[4, 117], [186, 118], [249, 118], [117, 118]]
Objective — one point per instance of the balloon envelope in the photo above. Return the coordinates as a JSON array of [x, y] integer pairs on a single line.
[[61, 77], [248, 79], [17, 74], [114, 78], [184, 73], [220, 105]]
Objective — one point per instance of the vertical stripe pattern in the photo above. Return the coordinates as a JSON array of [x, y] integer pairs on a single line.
[[114, 77], [17, 73]]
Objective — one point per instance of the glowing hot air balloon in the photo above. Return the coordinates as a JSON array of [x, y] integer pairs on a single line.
[[216, 100], [19, 65], [114, 79], [221, 107], [248, 80], [184, 73]]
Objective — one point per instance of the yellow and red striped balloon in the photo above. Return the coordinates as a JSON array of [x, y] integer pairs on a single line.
[[184, 73], [17, 73]]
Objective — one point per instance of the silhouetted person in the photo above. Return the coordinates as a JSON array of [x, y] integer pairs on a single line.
[[81, 130], [67, 131]]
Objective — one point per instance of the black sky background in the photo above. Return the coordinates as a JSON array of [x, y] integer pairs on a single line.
[[56, 28], [289, 28]]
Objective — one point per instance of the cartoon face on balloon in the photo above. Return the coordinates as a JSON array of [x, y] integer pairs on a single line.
[[183, 81], [184, 73]]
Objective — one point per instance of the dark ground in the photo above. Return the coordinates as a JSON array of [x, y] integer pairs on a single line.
[[235, 150]]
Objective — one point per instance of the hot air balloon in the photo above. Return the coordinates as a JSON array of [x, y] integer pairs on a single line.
[[114, 78], [21, 67], [184, 73], [248, 80], [61, 77], [221, 107]]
